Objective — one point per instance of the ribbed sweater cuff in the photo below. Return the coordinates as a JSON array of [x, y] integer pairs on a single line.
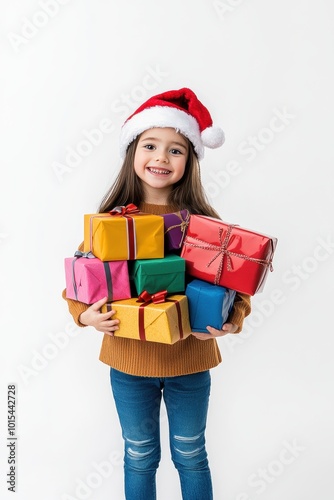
[[75, 308], [241, 309]]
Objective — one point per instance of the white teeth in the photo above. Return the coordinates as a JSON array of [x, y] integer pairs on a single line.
[[158, 171]]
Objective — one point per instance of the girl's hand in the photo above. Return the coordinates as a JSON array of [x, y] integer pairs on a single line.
[[227, 328], [102, 322]]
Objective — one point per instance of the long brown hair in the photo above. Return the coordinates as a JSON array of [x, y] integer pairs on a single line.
[[188, 192]]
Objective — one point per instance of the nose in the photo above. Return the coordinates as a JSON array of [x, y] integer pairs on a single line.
[[162, 157]]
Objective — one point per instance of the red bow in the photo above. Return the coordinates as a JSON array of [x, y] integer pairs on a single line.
[[127, 212], [123, 210], [156, 298]]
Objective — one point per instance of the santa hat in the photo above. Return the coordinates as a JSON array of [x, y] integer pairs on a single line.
[[179, 109]]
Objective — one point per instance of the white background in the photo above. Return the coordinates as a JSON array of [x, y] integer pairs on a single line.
[[68, 66]]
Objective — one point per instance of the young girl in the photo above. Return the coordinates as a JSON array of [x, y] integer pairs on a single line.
[[161, 144]]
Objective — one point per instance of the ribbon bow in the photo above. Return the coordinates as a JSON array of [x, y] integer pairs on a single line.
[[87, 255], [125, 209], [77, 255], [156, 298]]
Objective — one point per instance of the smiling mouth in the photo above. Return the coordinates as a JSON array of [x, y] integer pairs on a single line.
[[158, 171]]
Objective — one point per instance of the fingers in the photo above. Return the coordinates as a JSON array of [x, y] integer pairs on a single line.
[[97, 305], [108, 327], [107, 315], [202, 336], [230, 328], [214, 333], [227, 328]]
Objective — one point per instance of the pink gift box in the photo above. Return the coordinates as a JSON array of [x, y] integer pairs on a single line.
[[88, 279]]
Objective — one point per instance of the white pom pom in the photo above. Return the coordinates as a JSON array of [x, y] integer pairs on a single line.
[[213, 137]]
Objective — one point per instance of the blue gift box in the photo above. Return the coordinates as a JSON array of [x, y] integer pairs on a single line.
[[209, 305]]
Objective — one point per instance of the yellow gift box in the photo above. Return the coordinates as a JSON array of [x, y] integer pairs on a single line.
[[166, 322], [126, 234]]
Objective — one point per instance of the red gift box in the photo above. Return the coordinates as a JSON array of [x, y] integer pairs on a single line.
[[227, 254]]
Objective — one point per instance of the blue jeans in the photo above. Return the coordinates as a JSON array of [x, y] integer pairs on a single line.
[[138, 405]]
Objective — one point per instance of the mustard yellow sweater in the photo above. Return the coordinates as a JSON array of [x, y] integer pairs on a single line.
[[152, 359]]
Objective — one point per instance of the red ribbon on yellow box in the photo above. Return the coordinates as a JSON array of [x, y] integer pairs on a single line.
[[159, 328], [126, 211], [147, 298], [118, 243]]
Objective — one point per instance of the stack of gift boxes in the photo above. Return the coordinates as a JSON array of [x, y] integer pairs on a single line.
[[166, 275]]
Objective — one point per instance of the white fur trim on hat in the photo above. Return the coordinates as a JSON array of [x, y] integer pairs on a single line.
[[213, 137], [161, 117]]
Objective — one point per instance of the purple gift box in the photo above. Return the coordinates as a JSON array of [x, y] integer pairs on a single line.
[[176, 225]]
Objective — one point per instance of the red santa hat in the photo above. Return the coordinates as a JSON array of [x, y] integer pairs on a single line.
[[179, 109]]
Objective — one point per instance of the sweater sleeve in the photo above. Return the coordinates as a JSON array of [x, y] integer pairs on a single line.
[[241, 309], [75, 308]]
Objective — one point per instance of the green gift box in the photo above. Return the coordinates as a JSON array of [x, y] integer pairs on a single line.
[[153, 275]]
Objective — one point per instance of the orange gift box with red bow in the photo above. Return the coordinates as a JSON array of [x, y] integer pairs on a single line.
[[152, 318], [124, 233]]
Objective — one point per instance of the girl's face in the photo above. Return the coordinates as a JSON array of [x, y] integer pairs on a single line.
[[160, 160]]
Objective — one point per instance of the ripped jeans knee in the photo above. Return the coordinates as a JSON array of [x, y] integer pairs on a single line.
[[189, 452], [142, 455]]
